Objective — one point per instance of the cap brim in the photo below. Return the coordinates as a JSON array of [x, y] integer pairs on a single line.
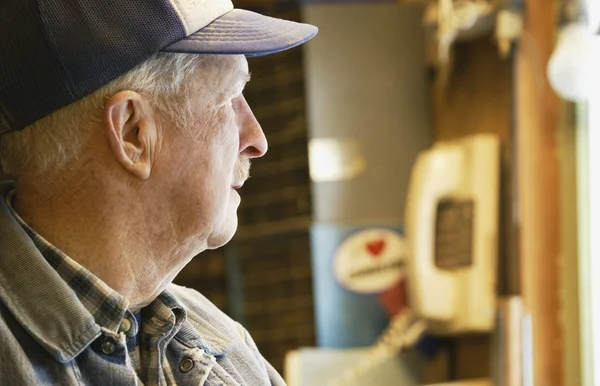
[[245, 33]]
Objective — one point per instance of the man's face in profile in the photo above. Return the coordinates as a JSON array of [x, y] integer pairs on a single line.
[[211, 160]]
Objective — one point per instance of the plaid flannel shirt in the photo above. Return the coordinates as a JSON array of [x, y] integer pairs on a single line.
[[60, 324]]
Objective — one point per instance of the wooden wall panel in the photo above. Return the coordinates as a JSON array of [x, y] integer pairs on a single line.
[[537, 122]]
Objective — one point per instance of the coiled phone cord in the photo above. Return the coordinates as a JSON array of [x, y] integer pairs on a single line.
[[404, 331]]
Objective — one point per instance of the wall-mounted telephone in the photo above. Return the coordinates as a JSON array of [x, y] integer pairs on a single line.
[[452, 222]]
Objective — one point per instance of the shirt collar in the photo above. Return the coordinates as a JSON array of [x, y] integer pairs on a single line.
[[106, 305], [202, 327], [168, 317], [60, 303]]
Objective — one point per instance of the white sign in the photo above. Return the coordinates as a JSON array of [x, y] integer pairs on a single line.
[[370, 261]]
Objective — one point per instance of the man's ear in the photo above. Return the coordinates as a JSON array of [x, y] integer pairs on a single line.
[[132, 132]]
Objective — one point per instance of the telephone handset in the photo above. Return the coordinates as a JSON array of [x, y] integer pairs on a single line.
[[451, 223]]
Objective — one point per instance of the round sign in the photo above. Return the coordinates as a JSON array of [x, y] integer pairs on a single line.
[[370, 261]]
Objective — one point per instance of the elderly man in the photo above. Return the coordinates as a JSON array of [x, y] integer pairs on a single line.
[[125, 131]]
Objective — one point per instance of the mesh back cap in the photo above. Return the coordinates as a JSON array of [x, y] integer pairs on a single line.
[[54, 52]]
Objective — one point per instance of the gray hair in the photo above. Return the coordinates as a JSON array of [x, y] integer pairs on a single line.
[[54, 141]]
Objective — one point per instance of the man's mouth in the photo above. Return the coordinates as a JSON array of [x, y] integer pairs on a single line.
[[241, 173]]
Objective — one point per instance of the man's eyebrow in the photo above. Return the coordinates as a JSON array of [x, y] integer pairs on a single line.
[[243, 76], [239, 82]]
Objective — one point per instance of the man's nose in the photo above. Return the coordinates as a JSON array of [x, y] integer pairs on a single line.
[[253, 143]]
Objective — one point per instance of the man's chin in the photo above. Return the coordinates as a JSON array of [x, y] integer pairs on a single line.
[[219, 238]]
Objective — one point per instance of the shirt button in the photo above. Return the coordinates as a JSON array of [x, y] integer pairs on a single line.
[[108, 348], [125, 326], [186, 365]]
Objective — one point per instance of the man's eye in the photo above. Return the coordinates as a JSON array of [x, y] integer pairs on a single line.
[[228, 103]]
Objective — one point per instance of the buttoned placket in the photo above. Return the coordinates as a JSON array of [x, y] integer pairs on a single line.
[[129, 328], [118, 347], [199, 372], [158, 333], [113, 346], [190, 365], [125, 326]]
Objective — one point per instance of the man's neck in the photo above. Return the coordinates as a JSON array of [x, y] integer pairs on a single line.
[[108, 233]]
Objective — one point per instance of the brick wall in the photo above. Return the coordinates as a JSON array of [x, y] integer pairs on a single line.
[[262, 278]]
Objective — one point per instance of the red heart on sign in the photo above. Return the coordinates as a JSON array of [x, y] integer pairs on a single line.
[[376, 247]]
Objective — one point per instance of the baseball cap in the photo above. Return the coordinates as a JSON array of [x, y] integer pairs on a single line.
[[54, 52]]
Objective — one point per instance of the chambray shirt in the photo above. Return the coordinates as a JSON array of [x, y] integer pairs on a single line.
[[61, 325]]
